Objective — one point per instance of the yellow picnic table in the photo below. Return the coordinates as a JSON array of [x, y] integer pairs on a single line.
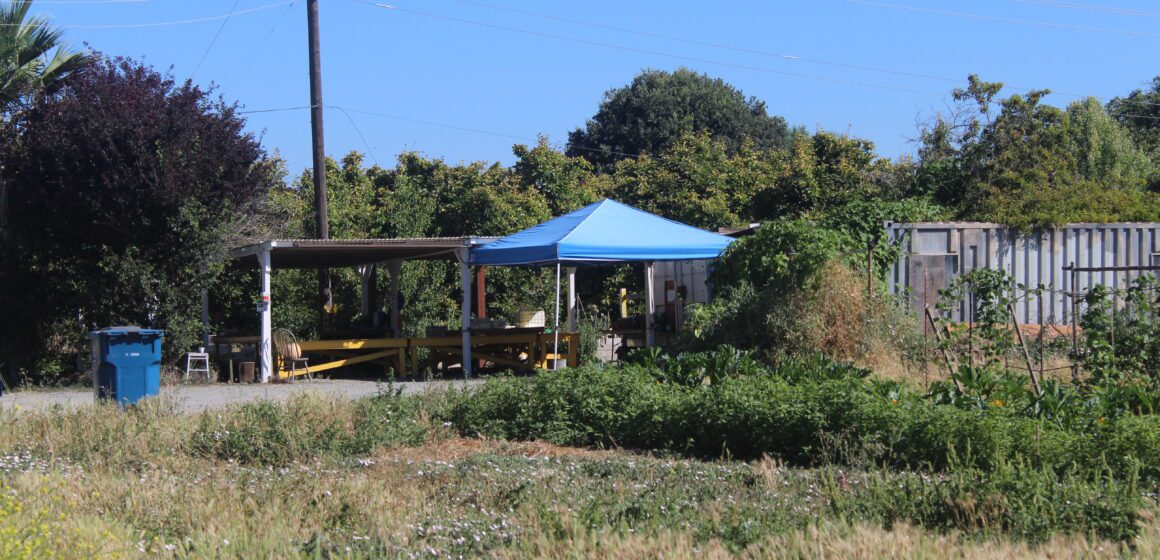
[[517, 348]]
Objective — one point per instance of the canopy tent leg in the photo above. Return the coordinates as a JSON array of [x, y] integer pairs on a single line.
[[556, 328], [395, 268], [465, 311], [649, 305], [266, 358], [571, 300]]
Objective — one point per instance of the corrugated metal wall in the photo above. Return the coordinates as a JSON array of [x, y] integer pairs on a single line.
[[934, 253], [690, 275]]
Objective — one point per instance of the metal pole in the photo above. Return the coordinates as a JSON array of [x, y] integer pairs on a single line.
[[571, 300], [556, 329], [1074, 323], [649, 306], [316, 140]]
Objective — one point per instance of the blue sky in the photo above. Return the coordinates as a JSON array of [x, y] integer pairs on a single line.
[[464, 80]]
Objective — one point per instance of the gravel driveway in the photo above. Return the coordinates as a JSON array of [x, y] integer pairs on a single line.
[[195, 398]]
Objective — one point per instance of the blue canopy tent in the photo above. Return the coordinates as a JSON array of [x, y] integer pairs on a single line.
[[601, 233], [605, 232]]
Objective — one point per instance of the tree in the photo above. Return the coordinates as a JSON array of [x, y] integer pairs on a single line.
[[125, 189], [824, 171], [1139, 112], [567, 183], [659, 107], [1022, 164], [31, 58], [1106, 151], [697, 181]]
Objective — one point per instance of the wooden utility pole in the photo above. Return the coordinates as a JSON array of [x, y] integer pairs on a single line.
[[319, 152]]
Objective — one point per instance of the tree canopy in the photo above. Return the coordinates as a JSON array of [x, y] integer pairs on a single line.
[[659, 107], [1139, 113], [124, 189], [1024, 163]]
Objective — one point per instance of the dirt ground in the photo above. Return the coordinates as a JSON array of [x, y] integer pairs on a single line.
[[195, 398]]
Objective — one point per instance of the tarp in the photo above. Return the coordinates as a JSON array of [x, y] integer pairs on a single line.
[[602, 232]]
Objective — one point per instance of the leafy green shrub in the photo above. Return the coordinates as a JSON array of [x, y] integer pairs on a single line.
[[695, 368], [829, 415], [798, 287], [1121, 330]]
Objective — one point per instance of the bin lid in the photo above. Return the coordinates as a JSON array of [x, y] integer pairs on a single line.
[[121, 331]]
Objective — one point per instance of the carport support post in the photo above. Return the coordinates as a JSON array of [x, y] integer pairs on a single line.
[[394, 268], [571, 301], [649, 305], [266, 357], [205, 334], [465, 311]]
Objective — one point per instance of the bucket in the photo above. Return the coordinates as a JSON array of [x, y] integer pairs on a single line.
[[247, 373], [532, 318]]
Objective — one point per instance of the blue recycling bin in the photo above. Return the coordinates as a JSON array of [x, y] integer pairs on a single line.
[[127, 363]]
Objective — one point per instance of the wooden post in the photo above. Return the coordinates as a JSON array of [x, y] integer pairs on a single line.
[[1023, 345], [318, 151], [946, 355], [481, 291], [395, 268], [481, 300], [465, 311]]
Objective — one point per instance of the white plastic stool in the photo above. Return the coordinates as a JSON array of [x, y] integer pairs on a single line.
[[200, 360]]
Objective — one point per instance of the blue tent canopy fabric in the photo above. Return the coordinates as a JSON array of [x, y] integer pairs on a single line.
[[601, 233]]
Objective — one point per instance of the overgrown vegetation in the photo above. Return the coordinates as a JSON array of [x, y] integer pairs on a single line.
[[710, 157], [387, 476]]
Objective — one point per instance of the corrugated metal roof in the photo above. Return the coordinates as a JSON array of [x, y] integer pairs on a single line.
[[339, 253]]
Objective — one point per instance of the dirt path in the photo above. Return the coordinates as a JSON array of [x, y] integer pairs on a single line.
[[195, 398]]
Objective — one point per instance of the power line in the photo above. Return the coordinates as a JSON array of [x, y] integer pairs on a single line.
[[695, 59], [270, 33], [425, 122], [360, 135], [83, 2], [787, 57], [1093, 7], [277, 110], [215, 38], [648, 51], [1002, 19], [782, 56], [166, 23]]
